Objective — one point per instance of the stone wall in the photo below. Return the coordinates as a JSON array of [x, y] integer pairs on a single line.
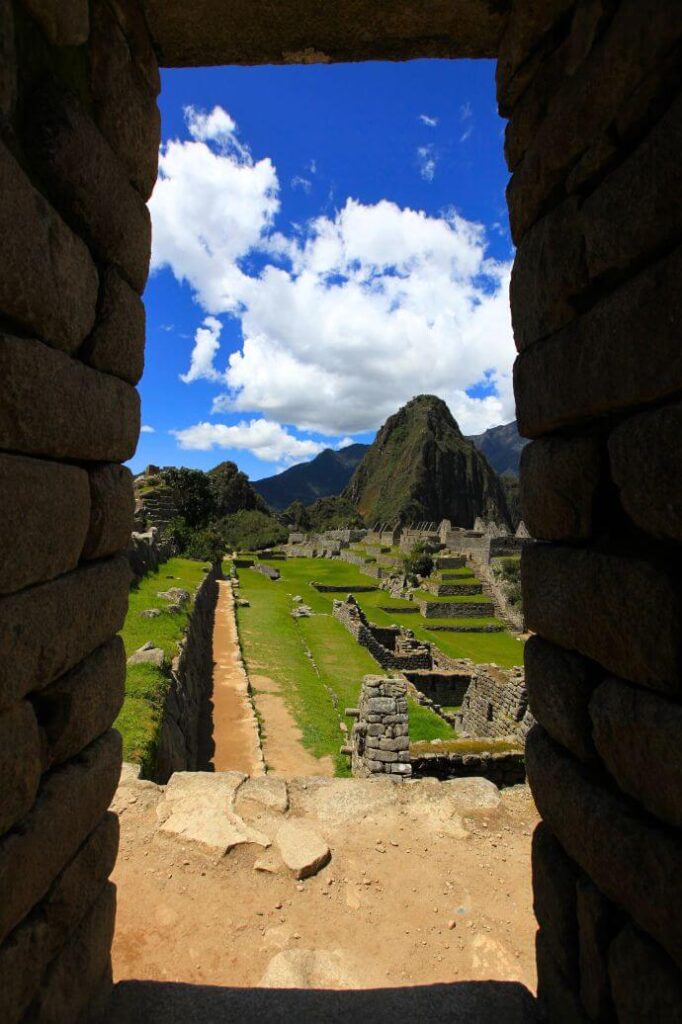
[[393, 648], [454, 609], [495, 704], [503, 768], [184, 740], [147, 551], [592, 92], [380, 741], [79, 134]]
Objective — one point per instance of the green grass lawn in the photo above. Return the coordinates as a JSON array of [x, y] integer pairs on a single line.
[[146, 686], [317, 690]]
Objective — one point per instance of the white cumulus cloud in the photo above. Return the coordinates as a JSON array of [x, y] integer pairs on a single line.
[[344, 318], [146, 429], [266, 440], [430, 122]]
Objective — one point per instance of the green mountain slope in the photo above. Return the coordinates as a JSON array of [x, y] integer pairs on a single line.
[[421, 467], [325, 476], [502, 447]]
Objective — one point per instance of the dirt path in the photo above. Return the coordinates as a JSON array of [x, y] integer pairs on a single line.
[[282, 745], [235, 732]]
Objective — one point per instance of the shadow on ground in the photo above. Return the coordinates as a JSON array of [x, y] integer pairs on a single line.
[[474, 1002]]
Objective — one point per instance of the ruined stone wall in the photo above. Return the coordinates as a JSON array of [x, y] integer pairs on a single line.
[[147, 551], [376, 639], [495, 704], [503, 768], [592, 91], [79, 133], [380, 740], [185, 730]]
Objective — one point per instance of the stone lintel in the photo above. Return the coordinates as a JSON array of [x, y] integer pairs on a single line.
[[307, 32]]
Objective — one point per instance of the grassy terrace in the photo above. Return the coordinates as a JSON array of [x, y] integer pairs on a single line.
[[146, 686], [317, 688]]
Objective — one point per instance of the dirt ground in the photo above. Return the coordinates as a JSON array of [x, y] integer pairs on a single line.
[[414, 894], [283, 750], [234, 733]]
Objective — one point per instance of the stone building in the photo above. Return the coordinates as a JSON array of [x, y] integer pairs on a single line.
[[591, 92]]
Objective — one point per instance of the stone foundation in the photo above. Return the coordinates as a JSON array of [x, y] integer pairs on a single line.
[[504, 769]]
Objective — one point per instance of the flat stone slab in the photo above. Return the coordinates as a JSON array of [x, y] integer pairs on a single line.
[[472, 795], [303, 850], [198, 807], [269, 791], [309, 968]]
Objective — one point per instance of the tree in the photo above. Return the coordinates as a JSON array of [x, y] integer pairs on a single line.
[[419, 561], [296, 515], [232, 491], [250, 530], [192, 495]]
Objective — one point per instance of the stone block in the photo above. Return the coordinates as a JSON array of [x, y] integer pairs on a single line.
[[8, 61], [46, 630], [27, 952], [70, 804], [55, 406], [399, 743], [624, 352], [619, 233], [20, 763], [633, 862], [49, 281], [598, 921], [116, 344], [64, 24], [44, 511], [556, 995], [554, 900], [381, 705], [558, 485], [560, 684], [74, 977], [588, 101], [385, 756], [89, 184], [638, 735], [305, 32], [83, 703], [525, 29], [112, 506], [549, 272], [124, 102], [646, 465], [646, 984], [623, 611]]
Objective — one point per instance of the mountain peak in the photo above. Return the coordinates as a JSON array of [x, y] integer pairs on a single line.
[[421, 467]]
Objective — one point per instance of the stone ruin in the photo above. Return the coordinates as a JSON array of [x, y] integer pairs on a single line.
[[591, 93], [379, 739], [391, 646]]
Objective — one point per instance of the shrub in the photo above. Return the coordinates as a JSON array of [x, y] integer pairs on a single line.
[[419, 562], [250, 530]]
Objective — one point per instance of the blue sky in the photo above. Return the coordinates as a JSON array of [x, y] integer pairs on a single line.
[[328, 241]]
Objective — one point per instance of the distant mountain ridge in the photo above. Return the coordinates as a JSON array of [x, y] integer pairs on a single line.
[[421, 468], [502, 447], [324, 476]]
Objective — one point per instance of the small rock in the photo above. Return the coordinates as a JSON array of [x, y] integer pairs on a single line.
[[147, 655], [452, 924], [303, 851], [150, 613], [175, 594]]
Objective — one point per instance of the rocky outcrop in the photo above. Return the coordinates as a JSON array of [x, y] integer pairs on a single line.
[[421, 468]]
